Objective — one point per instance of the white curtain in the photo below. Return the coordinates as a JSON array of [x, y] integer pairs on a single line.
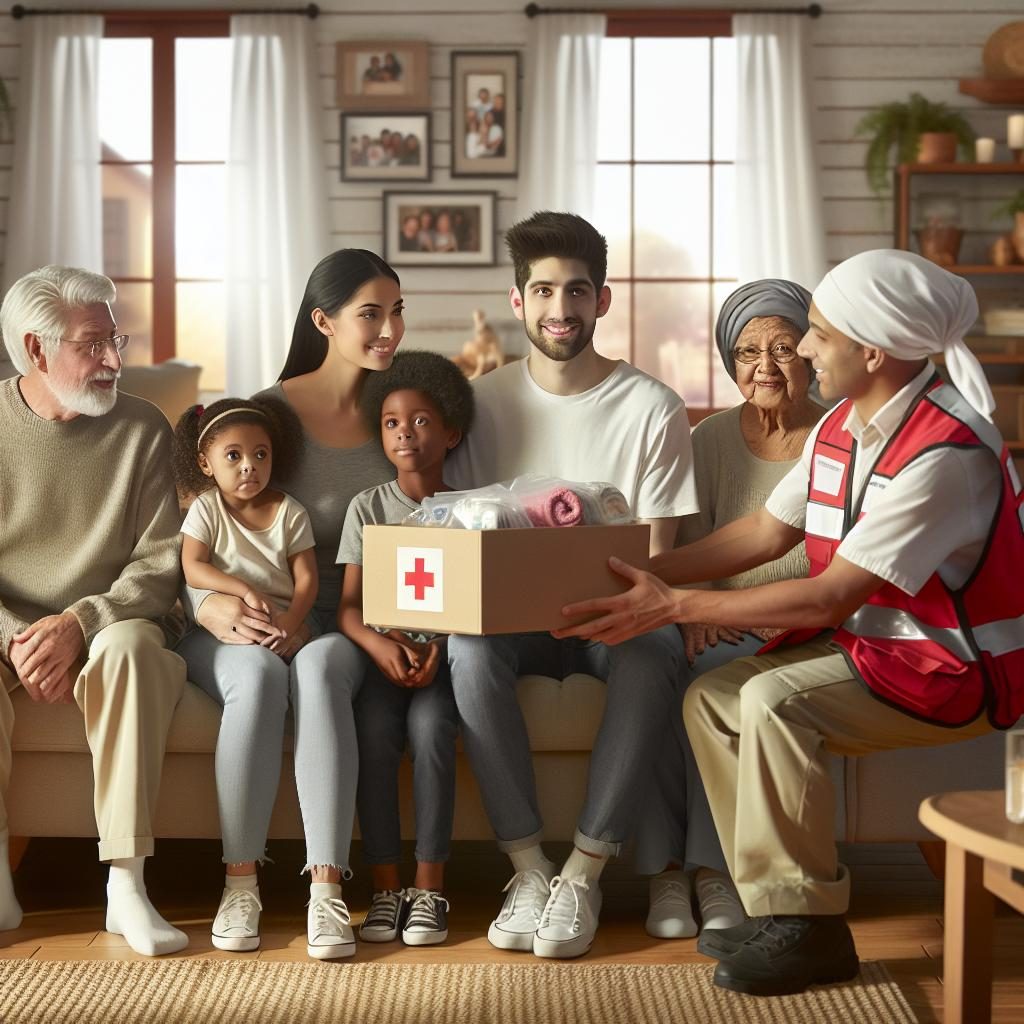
[[56, 199], [558, 165], [778, 200], [277, 192]]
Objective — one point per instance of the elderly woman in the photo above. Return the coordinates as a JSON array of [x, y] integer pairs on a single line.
[[739, 456]]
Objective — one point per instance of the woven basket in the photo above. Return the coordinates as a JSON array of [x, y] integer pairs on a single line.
[[1003, 56]]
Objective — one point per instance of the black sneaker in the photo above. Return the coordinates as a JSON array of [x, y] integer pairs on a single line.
[[384, 919], [427, 923], [719, 942], [788, 954]]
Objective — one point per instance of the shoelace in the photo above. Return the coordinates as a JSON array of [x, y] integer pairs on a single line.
[[776, 933], [533, 884], [714, 894], [383, 910], [237, 909], [671, 890], [423, 912], [330, 915], [576, 887]]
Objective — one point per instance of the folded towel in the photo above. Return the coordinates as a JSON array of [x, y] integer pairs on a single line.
[[560, 507]]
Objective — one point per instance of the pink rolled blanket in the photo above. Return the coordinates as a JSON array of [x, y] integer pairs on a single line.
[[560, 507]]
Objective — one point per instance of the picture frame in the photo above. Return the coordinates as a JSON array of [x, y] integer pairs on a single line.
[[385, 147], [452, 229], [485, 114], [382, 75]]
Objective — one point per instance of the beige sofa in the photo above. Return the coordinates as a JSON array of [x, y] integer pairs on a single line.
[[51, 784]]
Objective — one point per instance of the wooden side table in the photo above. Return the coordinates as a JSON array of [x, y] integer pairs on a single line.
[[982, 849]]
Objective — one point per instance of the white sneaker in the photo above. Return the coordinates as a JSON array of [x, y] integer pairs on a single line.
[[720, 905], [329, 929], [671, 914], [427, 923], [569, 921], [516, 925], [383, 920], [237, 924]]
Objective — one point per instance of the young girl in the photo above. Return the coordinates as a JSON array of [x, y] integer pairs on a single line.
[[244, 539], [421, 406]]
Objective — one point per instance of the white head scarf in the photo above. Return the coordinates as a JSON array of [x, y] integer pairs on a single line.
[[910, 307]]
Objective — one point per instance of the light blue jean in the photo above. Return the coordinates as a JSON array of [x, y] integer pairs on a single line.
[[254, 686], [387, 716], [642, 676]]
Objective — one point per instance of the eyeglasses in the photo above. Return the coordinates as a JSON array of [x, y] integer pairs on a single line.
[[780, 353], [94, 348]]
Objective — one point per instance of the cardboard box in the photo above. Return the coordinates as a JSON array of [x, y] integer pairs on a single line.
[[491, 581]]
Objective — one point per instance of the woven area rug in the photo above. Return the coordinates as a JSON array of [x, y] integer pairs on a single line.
[[229, 992]]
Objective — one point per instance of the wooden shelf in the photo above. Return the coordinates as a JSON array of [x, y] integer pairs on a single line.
[[994, 90], [1017, 447], [961, 168], [985, 268], [990, 359]]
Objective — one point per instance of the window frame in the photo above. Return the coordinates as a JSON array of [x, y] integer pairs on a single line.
[[164, 28]]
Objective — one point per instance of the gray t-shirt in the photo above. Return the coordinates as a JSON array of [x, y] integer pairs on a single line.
[[378, 506]]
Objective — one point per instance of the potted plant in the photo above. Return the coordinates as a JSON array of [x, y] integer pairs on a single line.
[[912, 128], [1015, 209]]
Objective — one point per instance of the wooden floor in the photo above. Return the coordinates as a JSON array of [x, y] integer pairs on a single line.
[[896, 915]]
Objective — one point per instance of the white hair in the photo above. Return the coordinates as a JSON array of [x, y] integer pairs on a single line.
[[41, 303]]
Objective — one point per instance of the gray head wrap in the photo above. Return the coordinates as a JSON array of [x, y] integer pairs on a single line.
[[770, 297]]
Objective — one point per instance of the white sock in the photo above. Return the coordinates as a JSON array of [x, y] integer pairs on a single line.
[[331, 889], [583, 865], [249, 882], [129, 912], [10, 909], [532, 858]]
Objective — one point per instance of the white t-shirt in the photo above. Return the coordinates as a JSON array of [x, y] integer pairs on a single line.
[[259, 557], [630, 430], [934, 516]]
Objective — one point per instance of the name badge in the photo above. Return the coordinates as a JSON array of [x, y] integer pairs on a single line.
[[827, 475]]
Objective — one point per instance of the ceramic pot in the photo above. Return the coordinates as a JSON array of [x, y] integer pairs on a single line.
[[936, 148], [940, 244]]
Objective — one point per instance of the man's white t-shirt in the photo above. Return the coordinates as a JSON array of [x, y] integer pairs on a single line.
[[630, 430]]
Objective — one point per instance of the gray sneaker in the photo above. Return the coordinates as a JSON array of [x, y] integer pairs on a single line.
[[427, 923], [383, 920]]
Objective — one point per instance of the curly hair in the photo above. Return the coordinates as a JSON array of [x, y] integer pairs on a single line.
[[434, 375], [564, 235], [276, 417]]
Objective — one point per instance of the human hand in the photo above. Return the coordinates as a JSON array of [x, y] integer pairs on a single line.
[[232, 621], [258, 601], [699, 635], [397, 661], [430, 660], [648, 604], [294, 639], [62, 691], [44, 652]]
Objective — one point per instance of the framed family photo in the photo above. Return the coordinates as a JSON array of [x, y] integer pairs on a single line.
[[485, 114], [385, 147], [383, 75], [439, 229]]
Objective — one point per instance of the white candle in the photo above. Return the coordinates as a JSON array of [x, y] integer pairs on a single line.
[[985, 150], [1015, 131]]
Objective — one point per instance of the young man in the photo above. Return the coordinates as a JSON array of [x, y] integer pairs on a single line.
[[568, 412], [908, 632], [89, 570]]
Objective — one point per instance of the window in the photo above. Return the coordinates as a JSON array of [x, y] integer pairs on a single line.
[[666, 195], [164, 94]]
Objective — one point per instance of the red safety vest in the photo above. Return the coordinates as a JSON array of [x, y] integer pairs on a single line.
[[942, 655]]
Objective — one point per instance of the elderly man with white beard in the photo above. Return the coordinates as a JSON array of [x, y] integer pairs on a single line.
[[89, 571]]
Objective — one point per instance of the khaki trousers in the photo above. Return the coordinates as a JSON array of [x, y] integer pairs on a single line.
[[127, 692], [762, 729]]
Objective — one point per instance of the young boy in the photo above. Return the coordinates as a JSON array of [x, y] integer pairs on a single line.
[[422, 405]]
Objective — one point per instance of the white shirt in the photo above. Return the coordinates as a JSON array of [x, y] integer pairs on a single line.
[[935, 514], [630, 430]]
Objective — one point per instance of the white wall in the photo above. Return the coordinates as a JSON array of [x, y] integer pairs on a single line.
[[864, 52]]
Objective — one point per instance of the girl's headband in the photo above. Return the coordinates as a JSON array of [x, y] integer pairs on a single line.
[[221, 415]]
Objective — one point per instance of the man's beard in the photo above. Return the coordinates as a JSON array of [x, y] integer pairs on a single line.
[[559, 351], [85, 399]]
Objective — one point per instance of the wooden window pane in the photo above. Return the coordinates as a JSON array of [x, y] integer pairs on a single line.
[[672, 98], [202, 78], [126, 99], [725, 394], [672, 221], [614, 117], [611, 338], [613, 200], [200, 229], [724, 223], [133, 311], [671, 340], [724, 143], [201, 329], [127, 220]]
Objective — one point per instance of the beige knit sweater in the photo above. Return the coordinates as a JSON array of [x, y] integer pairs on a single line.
[[732, 482], [88, 516]]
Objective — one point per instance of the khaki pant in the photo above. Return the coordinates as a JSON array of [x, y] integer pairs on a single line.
[[127, 691], [761, 730]]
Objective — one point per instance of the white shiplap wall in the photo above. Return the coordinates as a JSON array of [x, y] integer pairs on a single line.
[[864, 52]]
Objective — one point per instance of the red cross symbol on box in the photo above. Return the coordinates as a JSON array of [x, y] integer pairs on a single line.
[[420, 579]]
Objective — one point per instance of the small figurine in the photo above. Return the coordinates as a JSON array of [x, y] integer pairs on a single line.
[[483, 352]]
